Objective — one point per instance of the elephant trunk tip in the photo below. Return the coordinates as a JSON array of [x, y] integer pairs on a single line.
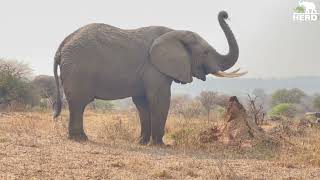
[[223, 15]]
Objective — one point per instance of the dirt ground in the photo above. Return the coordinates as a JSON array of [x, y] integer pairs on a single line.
[[32, 146]]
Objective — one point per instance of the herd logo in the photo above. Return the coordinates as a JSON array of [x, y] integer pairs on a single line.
[[306, 11]]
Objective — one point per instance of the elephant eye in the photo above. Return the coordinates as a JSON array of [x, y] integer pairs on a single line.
[[205, 53]]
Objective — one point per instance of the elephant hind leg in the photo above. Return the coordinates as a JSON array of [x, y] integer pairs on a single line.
[[76, 131], [145, 121]]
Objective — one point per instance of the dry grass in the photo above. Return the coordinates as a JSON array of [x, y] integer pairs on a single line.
[[303, 150], [33, 146]]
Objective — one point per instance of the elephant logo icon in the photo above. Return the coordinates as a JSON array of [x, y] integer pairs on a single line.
[[305, 11], [309, 7]]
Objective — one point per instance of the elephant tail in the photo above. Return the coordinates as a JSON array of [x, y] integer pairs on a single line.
[[57, 105]]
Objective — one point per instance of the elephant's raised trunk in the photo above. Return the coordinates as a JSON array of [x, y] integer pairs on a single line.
[[227, 61]]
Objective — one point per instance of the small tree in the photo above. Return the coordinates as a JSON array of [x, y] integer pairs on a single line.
[[207, 99]]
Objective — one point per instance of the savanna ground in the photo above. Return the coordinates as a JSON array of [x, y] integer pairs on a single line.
[[33, 146]]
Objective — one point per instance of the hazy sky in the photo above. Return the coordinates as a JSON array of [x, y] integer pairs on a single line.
[[271, 44]]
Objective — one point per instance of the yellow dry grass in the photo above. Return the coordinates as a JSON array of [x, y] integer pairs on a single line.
[[33, 146]]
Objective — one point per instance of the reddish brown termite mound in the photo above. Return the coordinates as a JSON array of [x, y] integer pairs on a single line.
[[238, 128]]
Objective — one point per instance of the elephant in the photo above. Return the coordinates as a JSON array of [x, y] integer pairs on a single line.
[[99, 61]]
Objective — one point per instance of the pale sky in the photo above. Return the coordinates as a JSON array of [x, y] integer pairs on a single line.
[[271, 44]]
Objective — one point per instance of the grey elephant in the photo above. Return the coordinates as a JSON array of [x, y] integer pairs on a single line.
[[99, 61]]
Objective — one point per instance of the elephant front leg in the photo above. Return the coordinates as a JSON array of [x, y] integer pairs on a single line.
[[159, 104], [144, 114]]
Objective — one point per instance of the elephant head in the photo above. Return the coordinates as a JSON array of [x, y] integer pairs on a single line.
[[184, 54]]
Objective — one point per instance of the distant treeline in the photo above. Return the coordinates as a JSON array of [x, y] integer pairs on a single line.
[[241, 86]]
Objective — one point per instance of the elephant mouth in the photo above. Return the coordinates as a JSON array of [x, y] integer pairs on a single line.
[[203, 78], [179, 82], [200, 73]]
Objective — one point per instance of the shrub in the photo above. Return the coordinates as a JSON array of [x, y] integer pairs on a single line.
[[15, 89], [284, 109]]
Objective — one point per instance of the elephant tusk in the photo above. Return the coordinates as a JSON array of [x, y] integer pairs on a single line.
[[232, 74], [235, 71]]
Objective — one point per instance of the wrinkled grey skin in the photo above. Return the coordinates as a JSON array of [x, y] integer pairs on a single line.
[[105, 62]]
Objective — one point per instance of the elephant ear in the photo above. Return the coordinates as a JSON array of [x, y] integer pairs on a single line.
[[170, 55]]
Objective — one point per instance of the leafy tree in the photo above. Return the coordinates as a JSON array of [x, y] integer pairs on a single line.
[[292, 96], [14, 83], [210, 100], [207, 99], [15, 69]]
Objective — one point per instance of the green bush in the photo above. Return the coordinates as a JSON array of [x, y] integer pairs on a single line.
[[15, 89], [284, 109]]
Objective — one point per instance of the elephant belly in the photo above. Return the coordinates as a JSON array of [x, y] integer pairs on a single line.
[[100, 82], [118, 77]]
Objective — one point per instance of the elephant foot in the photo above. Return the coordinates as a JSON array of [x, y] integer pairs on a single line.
[[79, 137], [143, 140], [157, 142]]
